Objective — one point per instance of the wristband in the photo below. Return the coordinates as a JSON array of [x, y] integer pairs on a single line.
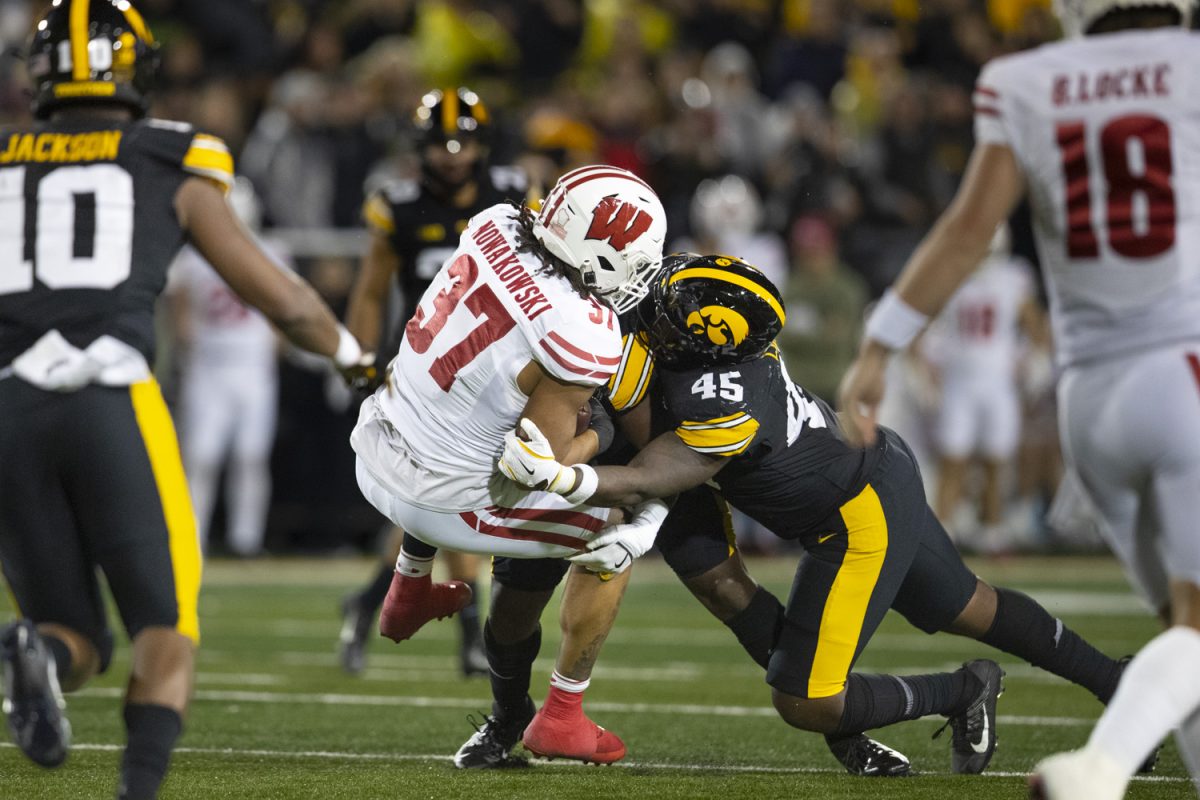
[[589, 481], [349, 352], [894, 323]]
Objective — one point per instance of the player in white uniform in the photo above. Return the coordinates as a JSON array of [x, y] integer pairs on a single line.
[[1103, 131], [520, 322], [229, 389], [974, 344]]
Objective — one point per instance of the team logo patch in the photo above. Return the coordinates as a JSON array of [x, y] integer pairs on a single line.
[[723, 326], [618, 222]]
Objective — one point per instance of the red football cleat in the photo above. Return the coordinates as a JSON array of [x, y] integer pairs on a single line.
[[555, 734], [411, 602]]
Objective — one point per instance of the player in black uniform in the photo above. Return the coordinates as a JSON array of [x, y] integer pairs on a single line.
[[94, 203], [415, 226], [723, 409]]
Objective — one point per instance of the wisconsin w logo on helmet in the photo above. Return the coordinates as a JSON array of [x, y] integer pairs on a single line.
[[617, 222]]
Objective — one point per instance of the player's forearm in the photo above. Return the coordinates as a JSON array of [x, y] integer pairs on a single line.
[[306, 321], [364, 318], [948, 254], [583, 448], [624, 487]]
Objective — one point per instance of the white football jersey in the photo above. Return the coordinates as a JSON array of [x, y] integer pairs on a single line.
[[976, 336], [224, 330], [1106, 129], [452, 393]]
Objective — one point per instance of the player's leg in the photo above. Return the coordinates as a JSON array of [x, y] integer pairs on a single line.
[[248, 484], [999, 435], [45, 563], [560, 728], [521, 588], [955, 434], [360, 608], [413, 599], [141, 530], [207, 419], [472, 659]]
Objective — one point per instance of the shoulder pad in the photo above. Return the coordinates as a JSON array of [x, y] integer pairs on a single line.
[[577, 354], [401, 191], [377, 214], [208, 157]]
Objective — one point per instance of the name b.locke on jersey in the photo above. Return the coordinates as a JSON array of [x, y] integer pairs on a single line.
[[1132, 82]]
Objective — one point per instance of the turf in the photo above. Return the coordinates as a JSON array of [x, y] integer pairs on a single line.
[[275, 718]]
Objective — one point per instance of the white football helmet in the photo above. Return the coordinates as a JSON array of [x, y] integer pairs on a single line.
[[1076, 16], [608, 224]]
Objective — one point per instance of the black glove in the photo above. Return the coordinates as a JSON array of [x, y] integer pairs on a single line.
[[602, 424]]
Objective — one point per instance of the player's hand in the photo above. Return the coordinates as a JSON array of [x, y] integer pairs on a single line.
[[860, 393], [362, 376], [614, 550], [528, 460]]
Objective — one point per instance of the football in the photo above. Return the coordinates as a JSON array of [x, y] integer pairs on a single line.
[[583, 419]]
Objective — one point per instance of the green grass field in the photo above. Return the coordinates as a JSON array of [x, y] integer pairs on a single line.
[[275, 718]]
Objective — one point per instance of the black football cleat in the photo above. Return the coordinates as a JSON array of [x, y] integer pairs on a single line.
[[352, 640], [867, 758], [973, 742], [490, 747], [33, 701]]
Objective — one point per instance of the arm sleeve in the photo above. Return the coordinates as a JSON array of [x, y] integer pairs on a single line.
[[377, 214], [577, 354]]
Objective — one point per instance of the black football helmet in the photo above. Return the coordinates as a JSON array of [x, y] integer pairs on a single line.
[[705, 311], [89, 51], [451, 115]]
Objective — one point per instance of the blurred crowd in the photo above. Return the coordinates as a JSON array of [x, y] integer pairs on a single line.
[[817, 139]]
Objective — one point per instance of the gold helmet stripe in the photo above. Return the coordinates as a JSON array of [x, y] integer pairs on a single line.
[[80, 65], [480, 111], [137, 23], [730, 277], [450, 112]]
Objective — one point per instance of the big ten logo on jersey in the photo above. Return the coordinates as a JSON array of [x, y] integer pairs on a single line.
[[618, 222], [82, 227]]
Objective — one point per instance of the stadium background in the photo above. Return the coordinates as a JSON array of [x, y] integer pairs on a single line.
[[851, 121]]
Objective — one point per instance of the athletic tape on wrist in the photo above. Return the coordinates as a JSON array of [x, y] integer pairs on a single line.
[[589, 481], [894, 323], [349, 353]]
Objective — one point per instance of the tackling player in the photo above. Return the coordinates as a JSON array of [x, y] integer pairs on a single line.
[[521, 321], [94, 203], [723, 409], [1100, 129], [415, 225]]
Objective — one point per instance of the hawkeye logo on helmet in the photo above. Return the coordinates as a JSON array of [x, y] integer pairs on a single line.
[[617, 222], [723, 326]]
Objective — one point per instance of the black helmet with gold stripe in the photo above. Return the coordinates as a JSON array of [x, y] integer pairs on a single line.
[[707, 311], [451, 115], [88, 51]]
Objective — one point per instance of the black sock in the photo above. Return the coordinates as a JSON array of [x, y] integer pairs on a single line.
[[757, 626], [511, 670], [152, 733], [371, 598], [873, 701], [1026, 630], [468, 618], [415, 547], [62, 655]]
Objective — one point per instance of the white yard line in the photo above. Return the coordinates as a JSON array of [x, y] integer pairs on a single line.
[[347, 756]]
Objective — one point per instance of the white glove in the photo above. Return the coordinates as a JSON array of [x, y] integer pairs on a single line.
[[615, 550], [531, 463]]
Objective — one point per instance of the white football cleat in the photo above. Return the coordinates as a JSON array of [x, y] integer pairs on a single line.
[[1077, 775]]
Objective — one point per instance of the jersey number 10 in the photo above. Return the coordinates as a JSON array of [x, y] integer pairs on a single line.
[[1135, 151], [83, 232]]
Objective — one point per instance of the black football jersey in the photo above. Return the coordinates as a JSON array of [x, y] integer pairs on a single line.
[[88, 226], [789, 467], [423, 229]]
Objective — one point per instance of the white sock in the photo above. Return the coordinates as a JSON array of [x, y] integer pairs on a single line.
[[567, 684], [413, 567], [1187, 737], [1157, 692]]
